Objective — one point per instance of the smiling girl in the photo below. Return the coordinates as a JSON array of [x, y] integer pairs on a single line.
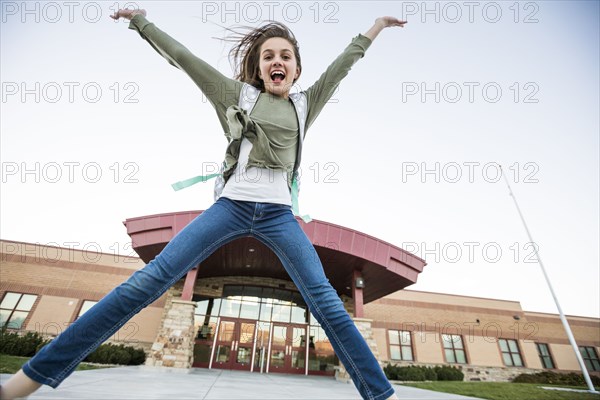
[[264, 144]]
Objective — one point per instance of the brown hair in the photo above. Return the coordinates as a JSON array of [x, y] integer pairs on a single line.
[[245, 57]]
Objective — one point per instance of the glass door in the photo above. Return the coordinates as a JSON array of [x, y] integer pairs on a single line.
[[224, 344], [288, 349], [244, 345], [278, 350], [297, 343], [234, 344], [204, 342]]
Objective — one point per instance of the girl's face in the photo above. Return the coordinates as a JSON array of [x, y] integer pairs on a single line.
[[278, 67]]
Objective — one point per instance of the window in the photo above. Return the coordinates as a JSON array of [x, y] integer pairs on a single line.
[[264, 305], [545, 357], [400, 345], [257, 303], [454, 349], [590, 358], [321, 356], [510, 353], [87, 304], [15, 308]]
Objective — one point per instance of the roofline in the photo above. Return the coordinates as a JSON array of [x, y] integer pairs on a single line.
[[69, 249], [297, 218], [469, 297], [544, 314], [526, 312]]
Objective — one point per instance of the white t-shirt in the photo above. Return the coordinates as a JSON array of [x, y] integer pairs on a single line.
[[260, 185]]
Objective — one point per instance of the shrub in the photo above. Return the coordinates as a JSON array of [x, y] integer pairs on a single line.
[[417, 373], [138, 356], [411, 373], [117, 354], [23, 345], [446, 373], [554, 378], [391, 372], [430, 374], [29, 343]]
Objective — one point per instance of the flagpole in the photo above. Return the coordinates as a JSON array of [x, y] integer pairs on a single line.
[[564, 321]]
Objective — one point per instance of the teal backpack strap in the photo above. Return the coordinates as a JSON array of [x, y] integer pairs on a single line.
[[192, 181], [295, 207], [300, 104]]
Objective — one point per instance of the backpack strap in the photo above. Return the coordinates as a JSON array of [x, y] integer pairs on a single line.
[[301, 105], [248, 97]]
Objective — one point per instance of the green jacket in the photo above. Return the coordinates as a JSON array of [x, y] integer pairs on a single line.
[[272, 126]]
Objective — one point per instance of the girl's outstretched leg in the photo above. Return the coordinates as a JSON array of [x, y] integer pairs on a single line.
[[282, 233], [57, 360]]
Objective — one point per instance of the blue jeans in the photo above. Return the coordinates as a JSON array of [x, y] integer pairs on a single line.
[[226, 220]]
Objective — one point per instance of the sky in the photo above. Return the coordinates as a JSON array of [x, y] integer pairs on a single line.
[[96, 126]]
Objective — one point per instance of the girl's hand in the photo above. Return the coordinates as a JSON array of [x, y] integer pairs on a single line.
[[386, 22], [128, 14], [381, 23]]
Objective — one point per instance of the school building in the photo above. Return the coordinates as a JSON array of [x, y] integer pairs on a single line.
[[240, 310]]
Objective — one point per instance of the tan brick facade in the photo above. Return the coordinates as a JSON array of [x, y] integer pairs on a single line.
[[481, 323], [62, 279]]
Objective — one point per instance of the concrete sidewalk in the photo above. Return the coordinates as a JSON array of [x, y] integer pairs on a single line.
[[144, 382]]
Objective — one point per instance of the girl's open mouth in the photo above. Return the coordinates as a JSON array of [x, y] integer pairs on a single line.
[[277, 76]]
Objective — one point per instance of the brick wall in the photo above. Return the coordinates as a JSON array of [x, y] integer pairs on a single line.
[[481, 323], [63, 278]]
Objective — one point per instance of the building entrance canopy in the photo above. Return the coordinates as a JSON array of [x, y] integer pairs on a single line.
[[344, 253]]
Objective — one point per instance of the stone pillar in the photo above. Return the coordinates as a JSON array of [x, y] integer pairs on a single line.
[[365, 328], [174, 344]]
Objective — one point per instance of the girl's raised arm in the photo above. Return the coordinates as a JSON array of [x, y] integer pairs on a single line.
[[381, 23], [323, 89], [220, 90]]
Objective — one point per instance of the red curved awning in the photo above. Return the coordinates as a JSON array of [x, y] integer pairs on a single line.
[[384, 267]]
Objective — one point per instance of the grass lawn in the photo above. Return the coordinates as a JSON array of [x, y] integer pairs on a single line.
[[11, 364], [504, 391]]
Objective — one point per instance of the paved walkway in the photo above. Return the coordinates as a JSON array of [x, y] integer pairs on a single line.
[[144, 382]]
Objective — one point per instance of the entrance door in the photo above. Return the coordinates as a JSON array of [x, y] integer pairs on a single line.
[[288, 349], [242, 354], [234, 344]]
